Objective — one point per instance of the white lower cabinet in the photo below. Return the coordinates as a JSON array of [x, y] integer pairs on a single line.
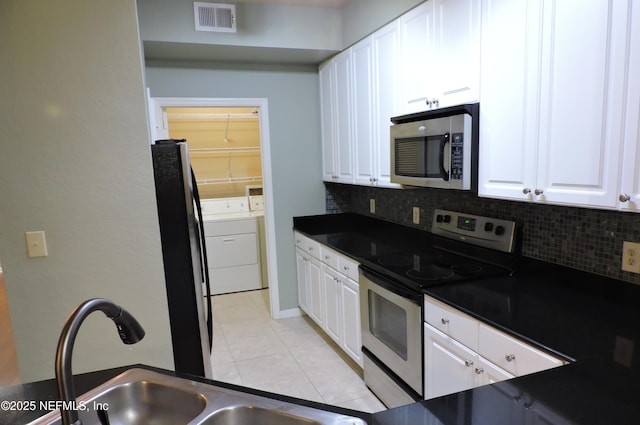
[[309, 286], [461, 353], [328, 293], [448, 365]]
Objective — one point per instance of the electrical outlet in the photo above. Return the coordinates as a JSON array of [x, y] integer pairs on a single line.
[[372, 206], [416, 215], [631, 257]]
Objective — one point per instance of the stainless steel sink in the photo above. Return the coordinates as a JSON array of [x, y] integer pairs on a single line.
[[140, 396]]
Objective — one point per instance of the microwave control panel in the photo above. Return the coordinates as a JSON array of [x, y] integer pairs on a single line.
[[457, 156]]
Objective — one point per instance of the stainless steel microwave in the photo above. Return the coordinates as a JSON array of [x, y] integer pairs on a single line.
[[436, 148]]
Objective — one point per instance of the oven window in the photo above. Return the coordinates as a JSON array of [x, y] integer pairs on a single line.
[[388, 323]]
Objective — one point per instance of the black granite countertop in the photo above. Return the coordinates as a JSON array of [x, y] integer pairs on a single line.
[[591, 320]]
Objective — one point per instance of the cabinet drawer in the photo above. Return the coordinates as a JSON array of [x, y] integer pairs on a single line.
[[308, 245], [348, 267], [513, 355], [230, 227], [232, 250], [329, 257], [452, 322]]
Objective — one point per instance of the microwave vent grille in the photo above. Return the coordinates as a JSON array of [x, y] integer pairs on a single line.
[[406, 158]]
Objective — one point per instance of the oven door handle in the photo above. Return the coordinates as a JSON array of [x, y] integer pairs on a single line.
[[443, 143], [391, 286]]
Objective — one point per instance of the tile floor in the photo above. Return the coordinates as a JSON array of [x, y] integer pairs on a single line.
[[286, 356]]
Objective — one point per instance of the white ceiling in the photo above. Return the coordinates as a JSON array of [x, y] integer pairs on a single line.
[[312, 3]]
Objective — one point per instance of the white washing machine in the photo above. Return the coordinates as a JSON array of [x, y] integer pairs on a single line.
[[233, 245]]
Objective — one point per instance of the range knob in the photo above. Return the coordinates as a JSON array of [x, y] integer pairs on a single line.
[[439, 218], [499, 230], [447, 218], [488, 226]]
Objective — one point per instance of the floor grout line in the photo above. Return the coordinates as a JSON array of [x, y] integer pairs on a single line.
[[256, 302]]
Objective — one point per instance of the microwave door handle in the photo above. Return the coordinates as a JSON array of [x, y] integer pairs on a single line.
[[443, 143]]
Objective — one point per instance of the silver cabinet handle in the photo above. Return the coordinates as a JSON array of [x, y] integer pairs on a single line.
[[479, 370], [468, 363], [326, 257], [526, 191], [510, 357], [345, 267], [435, 102], [624, 197], [444, 321], [538, 192]]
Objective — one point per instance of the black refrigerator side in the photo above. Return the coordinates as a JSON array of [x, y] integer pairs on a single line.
[[182, 254]]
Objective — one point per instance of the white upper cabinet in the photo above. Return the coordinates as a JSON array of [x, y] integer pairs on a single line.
[[385, 59], [417, 58], [363, 108], [335, 103], [508, 97], [440, 54], [552, 100], [375, 82], [457, 49], [629, 197]]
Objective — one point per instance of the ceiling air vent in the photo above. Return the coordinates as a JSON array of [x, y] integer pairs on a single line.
[[215, 17]]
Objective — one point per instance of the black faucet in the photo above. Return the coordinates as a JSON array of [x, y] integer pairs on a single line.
[[129, 330]]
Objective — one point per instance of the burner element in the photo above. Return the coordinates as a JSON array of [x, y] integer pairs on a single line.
[[430, 272]]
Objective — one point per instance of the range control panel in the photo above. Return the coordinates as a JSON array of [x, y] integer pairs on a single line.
[[477, 230]]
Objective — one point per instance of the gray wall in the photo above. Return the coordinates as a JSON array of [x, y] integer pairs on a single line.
[[294, 122], [257, 24], [75, 162]]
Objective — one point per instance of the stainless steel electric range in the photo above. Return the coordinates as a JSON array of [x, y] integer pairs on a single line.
[[463, 247]]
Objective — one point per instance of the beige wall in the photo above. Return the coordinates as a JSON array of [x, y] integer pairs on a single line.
[[75, 162]]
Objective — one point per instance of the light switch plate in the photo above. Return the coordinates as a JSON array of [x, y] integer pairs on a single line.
[[36, 244]]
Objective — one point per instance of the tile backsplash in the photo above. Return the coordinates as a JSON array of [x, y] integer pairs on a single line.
[[580, 238]]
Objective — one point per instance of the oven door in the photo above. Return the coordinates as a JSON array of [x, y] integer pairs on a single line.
[[391, 318]]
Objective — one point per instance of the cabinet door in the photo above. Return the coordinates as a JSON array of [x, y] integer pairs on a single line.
[[457, 49], [386, 58], [327, 99], [363, 102], [509, 98], [333, 303], [448, 365], [316, 298], [351, 340], [343, 119], [302, 272], [581, 104], [489, 373], [417, 57], [630, 182]]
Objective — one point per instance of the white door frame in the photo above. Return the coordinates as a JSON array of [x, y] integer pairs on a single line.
[[159, 130]]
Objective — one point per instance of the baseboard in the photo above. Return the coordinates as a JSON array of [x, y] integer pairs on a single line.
[[292, 312]]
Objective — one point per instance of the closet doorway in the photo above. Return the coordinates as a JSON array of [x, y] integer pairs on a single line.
[[232, 161]]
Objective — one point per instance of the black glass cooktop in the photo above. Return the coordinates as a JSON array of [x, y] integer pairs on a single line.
[[430, 268]]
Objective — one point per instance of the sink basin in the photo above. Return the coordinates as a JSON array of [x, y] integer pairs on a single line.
[[140, 396], [145, 402], [256, 415]]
